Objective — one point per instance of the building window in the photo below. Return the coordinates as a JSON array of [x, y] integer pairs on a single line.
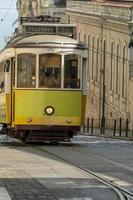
[[92, 58], [111, 66], [89, 56], [123, 71], [88, 41], [97, 59], [104, 61], [79, 36], [117, 68], [85, 39]]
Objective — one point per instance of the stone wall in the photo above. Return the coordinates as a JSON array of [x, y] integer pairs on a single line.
[[97, 28]]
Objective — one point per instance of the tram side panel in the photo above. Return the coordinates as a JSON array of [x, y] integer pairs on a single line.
[[5, 108], [29, 110]]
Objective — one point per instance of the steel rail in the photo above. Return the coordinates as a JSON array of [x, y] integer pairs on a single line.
[[122, 194], [108, 160], [126, 192]]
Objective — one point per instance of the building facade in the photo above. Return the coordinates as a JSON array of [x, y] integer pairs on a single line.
[[31, 8], [106, 27]]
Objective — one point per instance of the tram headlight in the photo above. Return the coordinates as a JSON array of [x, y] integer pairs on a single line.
[[29, 120], [49, 110], [69, 121]]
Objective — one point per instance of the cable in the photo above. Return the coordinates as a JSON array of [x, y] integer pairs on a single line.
[[8, 9]]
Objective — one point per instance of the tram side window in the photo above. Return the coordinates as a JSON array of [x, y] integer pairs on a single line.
[[2, 78], [13, 72], [50, 71], [26, 70], [71, 79]]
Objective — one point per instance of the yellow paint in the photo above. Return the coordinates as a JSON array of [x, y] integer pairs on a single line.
[[5, 108], [31, 104], [84, 102], [75, 121], [8, 109]]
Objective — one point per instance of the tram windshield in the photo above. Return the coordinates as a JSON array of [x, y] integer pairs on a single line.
[[26, 70], [71, 72], [50, 71], [53, 71]]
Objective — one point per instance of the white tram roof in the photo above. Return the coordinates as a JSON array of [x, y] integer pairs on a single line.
[[44, 41]]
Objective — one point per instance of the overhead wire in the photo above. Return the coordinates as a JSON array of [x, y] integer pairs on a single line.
[[8, 9], [2, 20]]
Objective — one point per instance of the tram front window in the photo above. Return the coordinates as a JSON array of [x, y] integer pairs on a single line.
[[71, 79], [26, 71], [50, 71]]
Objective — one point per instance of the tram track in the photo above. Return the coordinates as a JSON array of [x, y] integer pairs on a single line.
[[128, 169], [121, 192], [120, 165]]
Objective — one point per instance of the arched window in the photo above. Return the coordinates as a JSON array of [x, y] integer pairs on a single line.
[[123, 71], [111, 66], [89, 50], [97, 59], [85, 39], [117, 67], [104, 63], [92, 58], [79, 36]]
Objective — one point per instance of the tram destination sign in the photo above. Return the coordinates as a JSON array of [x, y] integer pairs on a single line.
[[60, 30], [40, 29]]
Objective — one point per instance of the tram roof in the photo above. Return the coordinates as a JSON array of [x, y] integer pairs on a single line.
[[45, 40]]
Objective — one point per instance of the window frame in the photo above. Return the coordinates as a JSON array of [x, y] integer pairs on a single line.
[[16, 80], [79, 73], [37, 56], [39, 71]]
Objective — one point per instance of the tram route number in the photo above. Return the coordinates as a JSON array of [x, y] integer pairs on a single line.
[[50, 50]]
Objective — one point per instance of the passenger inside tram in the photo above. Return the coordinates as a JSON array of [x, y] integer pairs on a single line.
[[49, 80], [71, 79], [50, 71], [72, 82]]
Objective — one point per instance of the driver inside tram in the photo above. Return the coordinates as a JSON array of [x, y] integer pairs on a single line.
[[48, 80]]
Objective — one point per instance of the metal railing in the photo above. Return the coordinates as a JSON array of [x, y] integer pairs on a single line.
[[108, 127]]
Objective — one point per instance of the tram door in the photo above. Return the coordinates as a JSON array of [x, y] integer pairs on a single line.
[[8, 66], [5, 90]]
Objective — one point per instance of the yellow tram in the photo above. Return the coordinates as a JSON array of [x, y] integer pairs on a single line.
[[42, 83]]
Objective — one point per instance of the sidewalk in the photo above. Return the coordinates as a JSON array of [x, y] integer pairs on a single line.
[[108, 133]]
